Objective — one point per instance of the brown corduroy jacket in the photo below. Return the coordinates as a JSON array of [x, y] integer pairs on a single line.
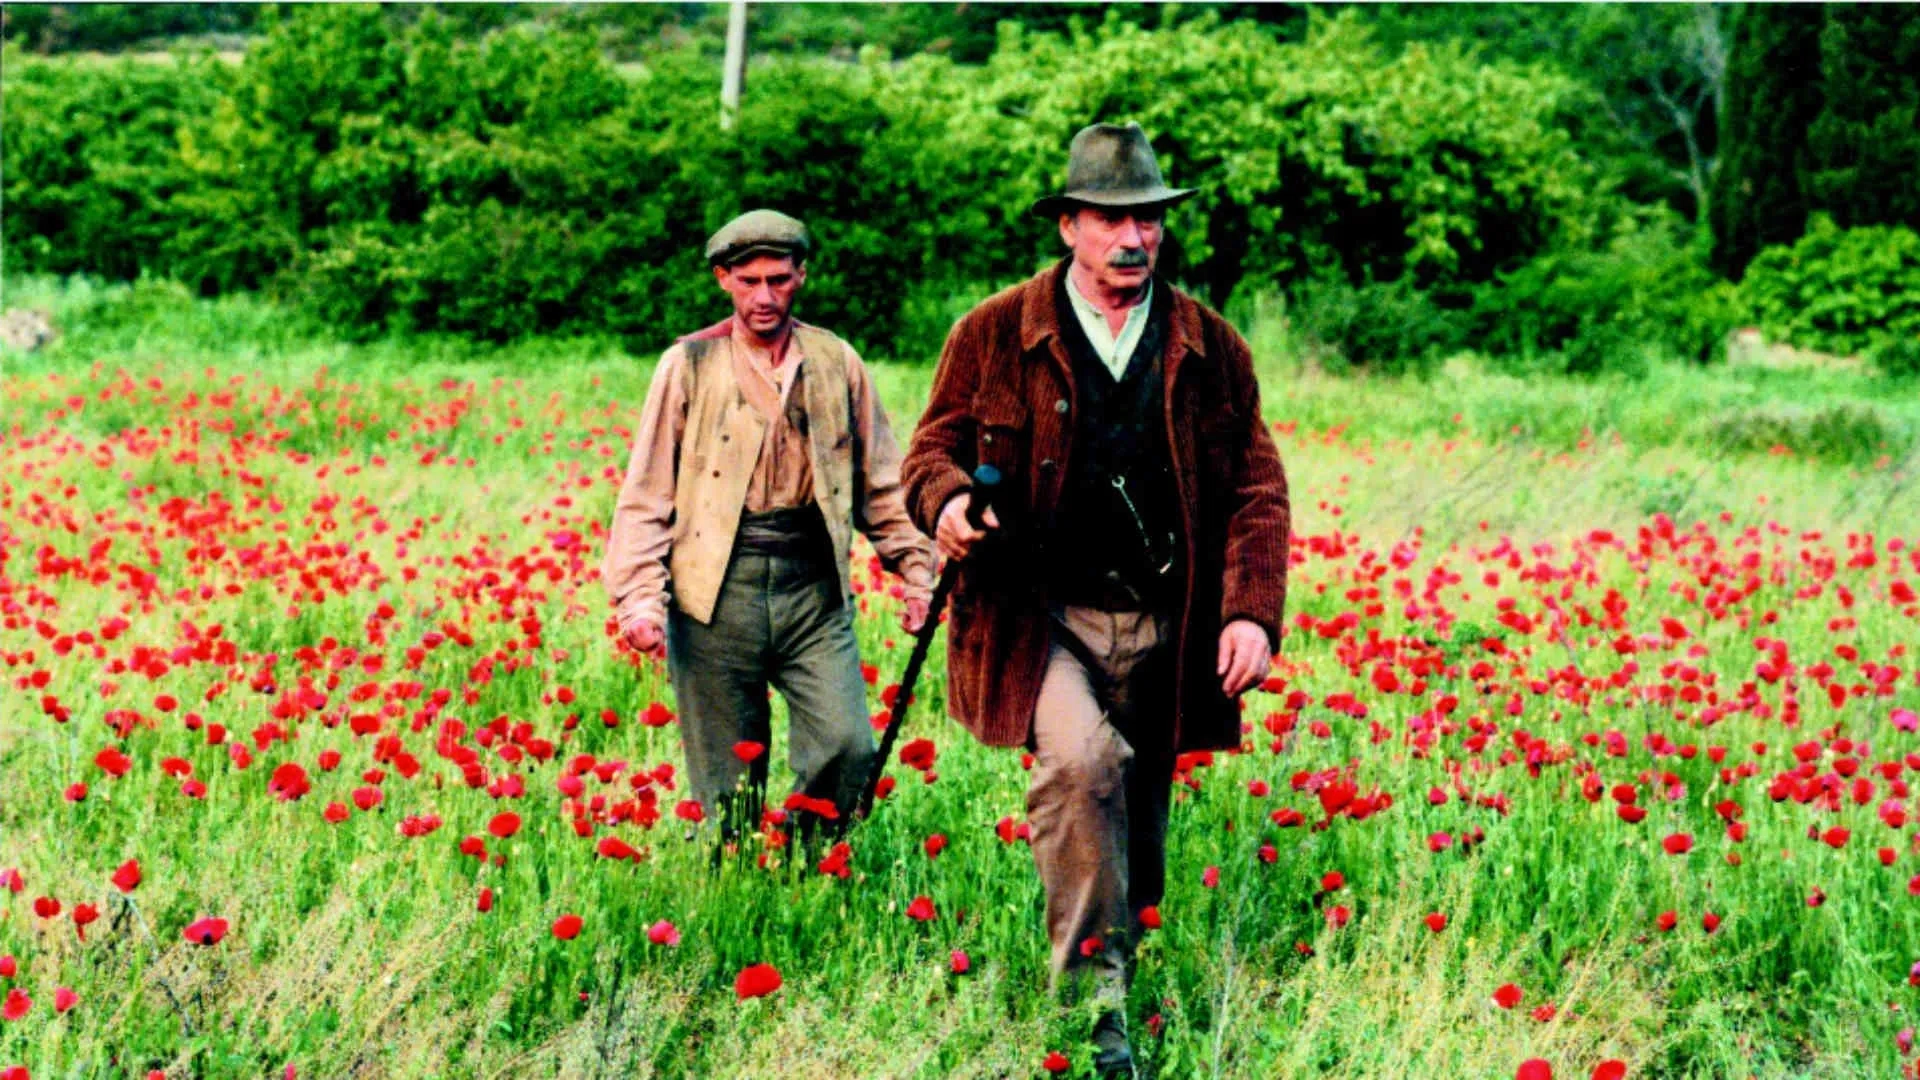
[[1003, 395]]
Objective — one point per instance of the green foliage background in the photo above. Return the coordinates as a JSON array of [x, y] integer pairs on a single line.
[[1415, 180]]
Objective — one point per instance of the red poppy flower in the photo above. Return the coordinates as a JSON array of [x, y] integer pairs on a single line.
[[504, 824], [485, 903], [1836, 837], [756, 980], [82, 915], [336, 812], [113, 762], [127, 877], [918, 754], [1678, 844], [935, 845], [1150, 917], [1056, 1062], [958, 962], [836, 864], [748, 751], [612, 847], [64, 999], [1332, 881], [1338, 916], [1435, 921], [17, 1005], [1507, 996], [1545, 1012], [9, 967], [46, 907], [1210, 877], [207, 931], [289, 782], [921, 909], [567, 927], [1610, 1069], [1534, 1069], [1710, 922], [1666, 920], [690, 810], [663, 933]]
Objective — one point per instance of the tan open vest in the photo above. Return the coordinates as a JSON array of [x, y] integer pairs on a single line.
[[721, 446]]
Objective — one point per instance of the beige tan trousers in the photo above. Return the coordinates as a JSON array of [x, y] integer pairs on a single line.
[[1097, 804]]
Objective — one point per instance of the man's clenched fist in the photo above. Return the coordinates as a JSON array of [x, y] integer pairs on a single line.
[[954, 533], [646, 637]]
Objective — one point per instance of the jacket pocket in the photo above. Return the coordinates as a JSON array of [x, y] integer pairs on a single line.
[[1002, 436]]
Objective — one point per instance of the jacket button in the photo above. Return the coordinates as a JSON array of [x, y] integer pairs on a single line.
[[987, 438], [1047, 464], [1060, 406]]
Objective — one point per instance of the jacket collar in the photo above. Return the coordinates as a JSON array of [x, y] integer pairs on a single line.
[[1040, 317]]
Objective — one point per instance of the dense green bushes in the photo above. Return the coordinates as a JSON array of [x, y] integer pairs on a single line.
[[401, 177], [407, 175], [1840, 291]]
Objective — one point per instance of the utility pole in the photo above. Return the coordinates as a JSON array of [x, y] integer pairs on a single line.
[[736, 63]]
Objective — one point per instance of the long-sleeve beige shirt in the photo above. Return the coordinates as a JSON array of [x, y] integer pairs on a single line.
[[635, 571]]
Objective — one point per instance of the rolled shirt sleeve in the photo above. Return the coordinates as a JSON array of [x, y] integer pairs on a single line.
[[635, 568], [882, 511]]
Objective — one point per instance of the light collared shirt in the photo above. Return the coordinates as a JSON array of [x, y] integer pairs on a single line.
[[635, 569], [1113, 351]]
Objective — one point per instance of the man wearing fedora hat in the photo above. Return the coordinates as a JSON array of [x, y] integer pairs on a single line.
[[1130, 581], [761, 448]]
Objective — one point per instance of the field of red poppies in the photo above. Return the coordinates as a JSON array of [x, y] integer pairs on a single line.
[[318, 758]]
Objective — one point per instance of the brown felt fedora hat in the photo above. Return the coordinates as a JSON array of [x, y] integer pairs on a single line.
[[1111, 165]]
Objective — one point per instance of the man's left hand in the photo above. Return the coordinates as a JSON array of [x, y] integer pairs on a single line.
[[915, 615], [1244, 658]]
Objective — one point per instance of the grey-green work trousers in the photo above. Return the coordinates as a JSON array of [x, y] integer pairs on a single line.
[[780, 620]]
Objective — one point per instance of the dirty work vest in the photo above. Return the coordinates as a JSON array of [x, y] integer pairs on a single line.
[[720, 446]]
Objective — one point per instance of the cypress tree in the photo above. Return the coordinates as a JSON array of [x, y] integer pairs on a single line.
[[1773, 96], [1864, 148]]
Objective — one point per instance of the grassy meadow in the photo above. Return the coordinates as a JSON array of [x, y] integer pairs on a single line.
[[1597, 692]]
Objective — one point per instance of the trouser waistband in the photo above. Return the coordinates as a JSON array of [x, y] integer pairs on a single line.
[[789, 533]]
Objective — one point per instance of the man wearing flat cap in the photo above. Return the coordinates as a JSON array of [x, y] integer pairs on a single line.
[[762, 447], [1130, 580]]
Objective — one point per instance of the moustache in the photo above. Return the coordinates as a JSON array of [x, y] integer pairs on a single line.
[[1129, 259]]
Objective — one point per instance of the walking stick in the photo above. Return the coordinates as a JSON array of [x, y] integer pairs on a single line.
[[985, 479]]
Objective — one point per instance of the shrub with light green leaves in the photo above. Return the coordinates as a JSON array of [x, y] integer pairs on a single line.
[[1845, 291]]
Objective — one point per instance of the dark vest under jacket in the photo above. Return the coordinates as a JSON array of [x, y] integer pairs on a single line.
[[1115, 546]]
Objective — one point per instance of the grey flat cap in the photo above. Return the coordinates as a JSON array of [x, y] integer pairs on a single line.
[[758, 232]]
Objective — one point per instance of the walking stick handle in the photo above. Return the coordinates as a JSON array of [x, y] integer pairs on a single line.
[[986, 482]]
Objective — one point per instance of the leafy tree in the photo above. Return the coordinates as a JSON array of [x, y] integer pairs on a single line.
[[1658, 71]]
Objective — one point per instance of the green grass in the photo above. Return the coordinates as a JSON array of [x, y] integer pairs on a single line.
[[225, 443]]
